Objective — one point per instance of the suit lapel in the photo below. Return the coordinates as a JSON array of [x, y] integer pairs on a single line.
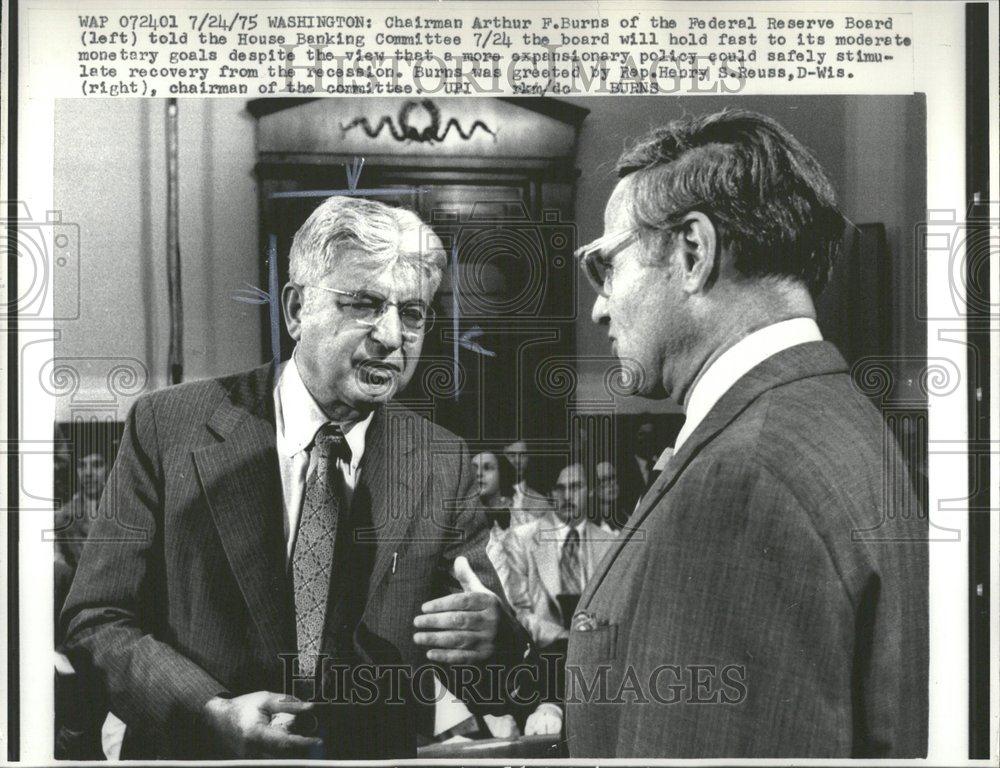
[[241, 481], [547, 557], [392, 480], [802, 361]]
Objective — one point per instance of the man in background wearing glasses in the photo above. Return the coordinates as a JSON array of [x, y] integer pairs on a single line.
[[768, 597], [275, 532]]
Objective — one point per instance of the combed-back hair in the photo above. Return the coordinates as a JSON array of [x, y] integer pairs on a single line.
[[343, 223], [505, 470], [768, 197]]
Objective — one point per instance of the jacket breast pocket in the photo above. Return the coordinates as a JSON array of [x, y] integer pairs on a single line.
[[597, 644]]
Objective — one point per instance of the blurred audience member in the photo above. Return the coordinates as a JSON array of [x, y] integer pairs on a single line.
[[529, 502], [63, 470], [73, 519], [494, 485], [635, 465], [606, 508], [78, 717], [552, 559], [645, 451]]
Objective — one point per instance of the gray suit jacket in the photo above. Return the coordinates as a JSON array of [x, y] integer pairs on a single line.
[[183, 591], [769, 596]]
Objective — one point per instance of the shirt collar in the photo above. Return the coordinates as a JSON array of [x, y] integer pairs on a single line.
[[355, 437], [737, 361], [665, 456], [299, 416], [563, 528]]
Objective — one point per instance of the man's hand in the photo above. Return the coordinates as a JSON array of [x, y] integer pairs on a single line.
[[460, 628], [502, 726], [247, 726], [545, 720]]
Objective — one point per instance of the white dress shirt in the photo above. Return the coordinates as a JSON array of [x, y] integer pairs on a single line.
[[736, 362], [644, 468], [517, 516], [298, 418], [519, 487], [661, 462], [527, 505]]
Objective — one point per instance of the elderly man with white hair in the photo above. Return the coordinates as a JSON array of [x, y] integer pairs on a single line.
[[284, 551]]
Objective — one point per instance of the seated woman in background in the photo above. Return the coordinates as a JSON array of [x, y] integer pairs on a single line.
[[495, 477], [494, 486]]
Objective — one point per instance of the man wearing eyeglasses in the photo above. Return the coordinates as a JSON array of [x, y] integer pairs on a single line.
[[288, 551], [768, 597]]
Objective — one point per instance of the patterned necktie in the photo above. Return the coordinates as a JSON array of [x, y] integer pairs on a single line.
[[312, 558], [569, 564]]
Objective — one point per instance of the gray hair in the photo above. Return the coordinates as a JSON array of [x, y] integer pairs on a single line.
[[384, 234], [766, 193]]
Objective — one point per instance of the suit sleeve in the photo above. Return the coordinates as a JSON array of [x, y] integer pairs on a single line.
[[747, 614], [110, 614]]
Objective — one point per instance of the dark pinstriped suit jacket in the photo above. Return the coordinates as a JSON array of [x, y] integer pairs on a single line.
[[769, 596], [182, 590]]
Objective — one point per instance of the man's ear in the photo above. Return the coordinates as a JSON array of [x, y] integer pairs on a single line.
[[697, 241], [292, 301]]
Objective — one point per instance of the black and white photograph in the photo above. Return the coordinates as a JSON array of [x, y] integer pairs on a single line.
[[563, 426]]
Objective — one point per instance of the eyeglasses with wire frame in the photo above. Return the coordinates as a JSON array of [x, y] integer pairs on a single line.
[[368, 308]]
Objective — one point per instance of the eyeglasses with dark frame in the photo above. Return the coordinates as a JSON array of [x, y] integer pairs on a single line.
[[368, 308], [597, 258]]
